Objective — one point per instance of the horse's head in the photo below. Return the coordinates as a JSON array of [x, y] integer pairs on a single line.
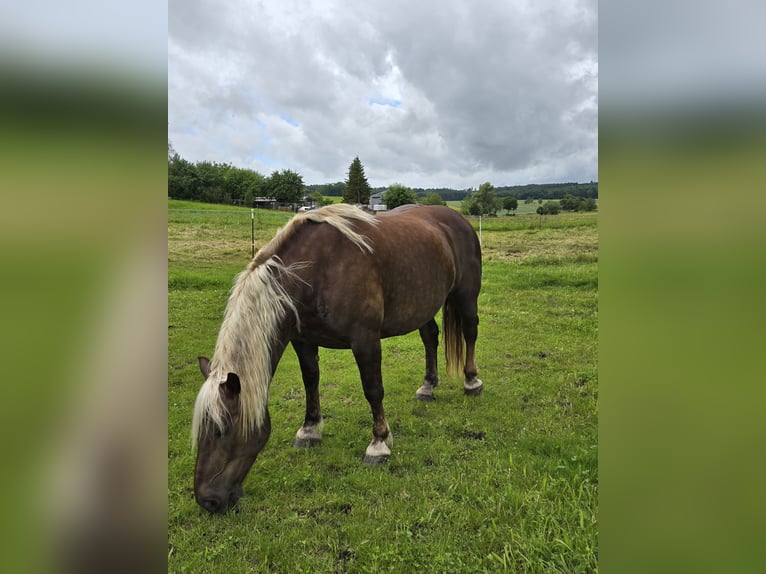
[[224, 455]]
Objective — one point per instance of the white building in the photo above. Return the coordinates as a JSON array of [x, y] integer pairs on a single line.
[[376, 202]]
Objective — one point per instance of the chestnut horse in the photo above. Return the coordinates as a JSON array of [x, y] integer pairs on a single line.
[[340, 278]]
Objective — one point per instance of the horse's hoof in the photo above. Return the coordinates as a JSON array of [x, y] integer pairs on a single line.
[[372, 460], [306, 442], [379, 450], [425, 392], [474, 389]]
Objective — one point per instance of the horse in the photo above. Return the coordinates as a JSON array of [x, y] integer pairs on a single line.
[[336, 277]]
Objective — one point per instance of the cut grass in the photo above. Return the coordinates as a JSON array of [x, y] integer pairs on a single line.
[[502, 482]]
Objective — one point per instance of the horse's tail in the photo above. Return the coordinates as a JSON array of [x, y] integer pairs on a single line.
[[452, 327]]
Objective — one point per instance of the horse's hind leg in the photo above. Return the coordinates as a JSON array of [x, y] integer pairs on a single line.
[[470, 324], [467, 307], [310, 433], [429, 334]]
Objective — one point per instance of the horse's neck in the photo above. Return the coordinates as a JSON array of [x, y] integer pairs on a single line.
[[258, 354], [278, 348], [256, 328]]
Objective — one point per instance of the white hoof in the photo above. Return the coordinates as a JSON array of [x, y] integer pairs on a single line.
[[425, 392], [377, 452], [473, 388], [308, 435]]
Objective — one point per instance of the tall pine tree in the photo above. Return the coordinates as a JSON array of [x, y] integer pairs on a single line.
[[357, 189]]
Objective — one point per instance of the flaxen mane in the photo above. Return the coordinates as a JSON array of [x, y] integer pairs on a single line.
[[257, 305], [340, 215]]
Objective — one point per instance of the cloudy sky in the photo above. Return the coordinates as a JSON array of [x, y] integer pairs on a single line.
[[427, 93]]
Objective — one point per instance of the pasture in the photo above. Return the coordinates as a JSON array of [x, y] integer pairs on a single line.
[[507, 481]]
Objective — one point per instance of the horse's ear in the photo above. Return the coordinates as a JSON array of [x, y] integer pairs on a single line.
[[204, 366], [231, 386]]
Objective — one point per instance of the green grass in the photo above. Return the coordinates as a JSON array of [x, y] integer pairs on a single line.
[[503, 482]]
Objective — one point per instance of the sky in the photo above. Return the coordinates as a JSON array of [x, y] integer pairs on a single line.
[[430, 93]]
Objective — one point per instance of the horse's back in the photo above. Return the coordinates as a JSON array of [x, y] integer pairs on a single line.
[[455, 229], [428, 253], [420, 254]]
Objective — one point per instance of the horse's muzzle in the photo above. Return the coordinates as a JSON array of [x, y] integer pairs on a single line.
[[216, 504]]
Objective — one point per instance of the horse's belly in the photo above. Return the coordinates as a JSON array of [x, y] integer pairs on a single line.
[[407, 317]]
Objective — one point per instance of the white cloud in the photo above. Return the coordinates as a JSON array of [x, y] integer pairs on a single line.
[[429, 94]]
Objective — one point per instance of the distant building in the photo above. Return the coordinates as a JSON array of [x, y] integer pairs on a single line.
[[376, 202], [265, 202]]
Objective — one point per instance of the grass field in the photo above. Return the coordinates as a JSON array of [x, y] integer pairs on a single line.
[[507, 481]]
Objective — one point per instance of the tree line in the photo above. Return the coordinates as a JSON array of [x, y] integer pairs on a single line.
[[486, 201], [214, 182], [519, 192]]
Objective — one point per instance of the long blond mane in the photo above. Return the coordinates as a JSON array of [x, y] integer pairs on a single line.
[[340, 215], [257, 306]]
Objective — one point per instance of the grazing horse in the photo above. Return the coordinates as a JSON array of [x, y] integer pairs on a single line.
[[341, 278]]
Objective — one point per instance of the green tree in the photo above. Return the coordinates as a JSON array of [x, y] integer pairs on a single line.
[[432, 198], [573, 203], [549, 208], [357, 189], [589, 204], [183, 182], [510, 204], [210, 178], [332, 189], [469, 206], [485, 198], [320, 199], [398, 194], [243, 185], [285, 186]]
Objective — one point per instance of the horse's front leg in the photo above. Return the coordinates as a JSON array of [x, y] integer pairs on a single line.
[[310, 433], [367, 354]]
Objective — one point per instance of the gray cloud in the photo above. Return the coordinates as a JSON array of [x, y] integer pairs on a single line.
[[429, 94]]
